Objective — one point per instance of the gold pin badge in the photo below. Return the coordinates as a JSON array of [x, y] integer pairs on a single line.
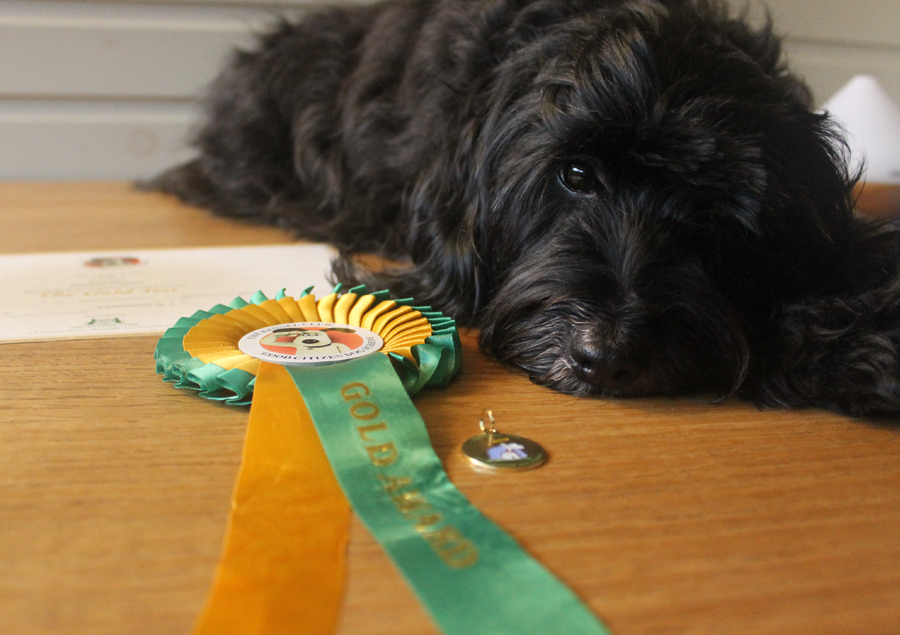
[[496, 451]]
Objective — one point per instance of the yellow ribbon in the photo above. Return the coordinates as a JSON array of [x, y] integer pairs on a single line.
[[282, 570]]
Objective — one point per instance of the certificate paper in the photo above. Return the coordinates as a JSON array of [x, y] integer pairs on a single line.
[[136, 292]]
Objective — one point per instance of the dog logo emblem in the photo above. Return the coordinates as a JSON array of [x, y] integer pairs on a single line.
[[507, 452], [301, 343]]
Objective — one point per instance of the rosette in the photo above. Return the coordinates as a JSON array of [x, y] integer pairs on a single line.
[[331, 421], [201, 352]]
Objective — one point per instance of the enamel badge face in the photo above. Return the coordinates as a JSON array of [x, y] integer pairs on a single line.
[[496, 451], [301, 343]]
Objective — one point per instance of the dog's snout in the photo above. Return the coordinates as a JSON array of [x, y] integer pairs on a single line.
[[602, 368]]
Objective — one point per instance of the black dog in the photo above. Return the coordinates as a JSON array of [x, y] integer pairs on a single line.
[[628, 197]]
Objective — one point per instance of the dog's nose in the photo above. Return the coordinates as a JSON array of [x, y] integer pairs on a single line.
[[603, 369]]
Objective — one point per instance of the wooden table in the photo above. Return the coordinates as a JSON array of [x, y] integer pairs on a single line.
[[667, 516]]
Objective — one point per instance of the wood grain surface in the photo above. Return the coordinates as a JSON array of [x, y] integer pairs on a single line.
[[666, 516]]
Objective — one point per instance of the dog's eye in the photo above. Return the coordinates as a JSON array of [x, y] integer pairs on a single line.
[[579, 177]]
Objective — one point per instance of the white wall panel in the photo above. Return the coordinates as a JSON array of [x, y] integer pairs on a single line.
[[107, 88], [95, 49], [827, 67], [868, 22], [96, 140], [830, 41]]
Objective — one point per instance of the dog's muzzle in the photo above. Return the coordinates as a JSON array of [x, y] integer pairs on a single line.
[[606, 370], [607, 359]]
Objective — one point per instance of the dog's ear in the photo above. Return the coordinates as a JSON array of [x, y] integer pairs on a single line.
[[807, 198], [444, 204], [266, 146], [840, 353], [805, 154]]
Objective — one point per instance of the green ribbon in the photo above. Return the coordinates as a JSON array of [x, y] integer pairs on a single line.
[[471, 576]]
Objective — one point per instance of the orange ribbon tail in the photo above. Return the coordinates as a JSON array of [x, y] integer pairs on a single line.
[[283, 567]]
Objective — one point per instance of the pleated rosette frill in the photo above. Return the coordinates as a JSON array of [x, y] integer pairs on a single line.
[[201, 352]]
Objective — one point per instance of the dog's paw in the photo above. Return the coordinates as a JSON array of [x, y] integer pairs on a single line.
[[840, 354]]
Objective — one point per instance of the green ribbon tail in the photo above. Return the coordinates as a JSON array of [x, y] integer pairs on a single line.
[[471, 575]]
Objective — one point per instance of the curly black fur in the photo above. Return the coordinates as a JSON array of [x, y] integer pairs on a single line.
[[628, 197]]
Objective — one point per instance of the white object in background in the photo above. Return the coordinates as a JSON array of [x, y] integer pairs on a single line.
[[872, 123]]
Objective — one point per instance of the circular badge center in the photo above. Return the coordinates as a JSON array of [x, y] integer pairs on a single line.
[[300, 343]]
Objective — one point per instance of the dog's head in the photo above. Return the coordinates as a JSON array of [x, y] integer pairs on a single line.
[[647, 188]]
